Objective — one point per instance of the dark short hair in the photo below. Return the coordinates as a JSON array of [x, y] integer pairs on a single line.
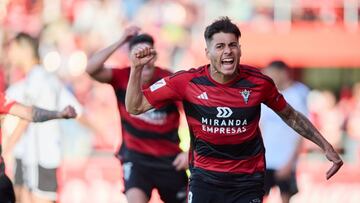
[[143, 38], [224, 25], [278, 64], [32, 41]]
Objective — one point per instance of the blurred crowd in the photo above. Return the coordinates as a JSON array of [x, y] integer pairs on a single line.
[[336, 116], [71, 30]]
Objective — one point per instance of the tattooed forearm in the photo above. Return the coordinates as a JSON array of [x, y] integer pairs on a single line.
[[40, 115], [303, 126]]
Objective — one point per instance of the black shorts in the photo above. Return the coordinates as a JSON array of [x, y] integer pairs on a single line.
[[171, 184], [7, 194], [19, 173], [287, 186], [202, 192], [41, 181]]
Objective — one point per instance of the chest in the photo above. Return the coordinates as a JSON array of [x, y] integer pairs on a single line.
[[223, 105]]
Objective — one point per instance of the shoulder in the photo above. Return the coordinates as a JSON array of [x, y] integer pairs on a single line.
[[41, 78], [180, 80], [190, 73], [120, 70], [16, 90], [255, 74], [301, 88], [37, 73], [162, 72], [17, 86], [120, 76]]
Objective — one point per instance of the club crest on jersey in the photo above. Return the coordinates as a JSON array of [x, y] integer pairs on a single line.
[[245, 94], [157, 85]]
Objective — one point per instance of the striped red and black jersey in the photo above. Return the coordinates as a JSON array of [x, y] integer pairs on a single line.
[[151, 138], [226, 143]]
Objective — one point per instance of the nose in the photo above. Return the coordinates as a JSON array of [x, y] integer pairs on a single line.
[[227, 50]]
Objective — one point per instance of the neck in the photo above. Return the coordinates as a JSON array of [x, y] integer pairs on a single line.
[[286, 84], [220, 77], [29, 64]]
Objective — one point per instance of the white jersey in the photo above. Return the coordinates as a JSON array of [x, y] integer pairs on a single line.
[[45, 90], [280, 140], [15, 92]]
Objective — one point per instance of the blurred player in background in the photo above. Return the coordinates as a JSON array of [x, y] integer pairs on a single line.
[[150, 152], [35, 170], [33, 114], [282, 143]]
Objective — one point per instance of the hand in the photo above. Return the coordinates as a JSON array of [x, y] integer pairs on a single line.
[[129, 33], [334, 157], [68, 112], [141, 54], [181, 161]]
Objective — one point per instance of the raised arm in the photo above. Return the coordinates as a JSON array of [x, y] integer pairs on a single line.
[[95, 67], [36, 114], [305, 128], [135, 101]]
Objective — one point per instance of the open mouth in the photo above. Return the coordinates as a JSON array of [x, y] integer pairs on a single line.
[[227, 61]]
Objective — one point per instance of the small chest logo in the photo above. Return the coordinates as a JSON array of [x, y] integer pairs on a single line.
[[245, 94], [224, 112]]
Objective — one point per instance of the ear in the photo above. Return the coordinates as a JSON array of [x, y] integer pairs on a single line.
[[240, 51], [207, 53], [154, 59]]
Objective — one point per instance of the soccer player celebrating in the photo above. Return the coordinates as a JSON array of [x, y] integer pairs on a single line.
[[150, 152], [33, 114], [222, 104]]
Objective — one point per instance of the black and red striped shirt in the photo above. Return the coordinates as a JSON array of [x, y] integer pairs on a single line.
[[150, 138], [226, 143]]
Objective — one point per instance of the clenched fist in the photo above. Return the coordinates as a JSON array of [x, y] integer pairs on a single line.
[[141, 54], [68, 112]]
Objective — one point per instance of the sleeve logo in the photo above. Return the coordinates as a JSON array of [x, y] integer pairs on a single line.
[[157, 85]]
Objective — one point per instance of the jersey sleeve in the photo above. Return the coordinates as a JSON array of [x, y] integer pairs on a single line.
[[165, 91], [273, 98], [119, 77]]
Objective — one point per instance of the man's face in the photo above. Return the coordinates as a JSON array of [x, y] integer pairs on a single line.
[[19, 53], [223, 51], [15, 54], [149, 68]]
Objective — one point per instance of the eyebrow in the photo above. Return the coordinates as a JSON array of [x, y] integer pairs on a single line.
[[221, 43]]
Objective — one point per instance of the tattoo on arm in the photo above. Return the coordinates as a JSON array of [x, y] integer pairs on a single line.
[[40, 115], [302, 125]]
